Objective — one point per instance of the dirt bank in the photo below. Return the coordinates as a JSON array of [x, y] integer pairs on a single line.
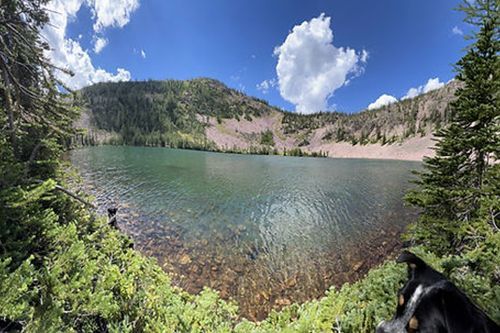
[[233, 134]]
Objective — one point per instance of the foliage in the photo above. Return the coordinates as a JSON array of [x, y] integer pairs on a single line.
[[360, 306], [267, 138], [92, 281], [176, 113], [452, 189], [165, 113], [63, 269], [386, 125]]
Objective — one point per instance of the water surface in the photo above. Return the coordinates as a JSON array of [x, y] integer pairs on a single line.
[[263, 230]]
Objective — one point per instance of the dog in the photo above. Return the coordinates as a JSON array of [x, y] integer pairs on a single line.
[[429, 302], [112, 217]]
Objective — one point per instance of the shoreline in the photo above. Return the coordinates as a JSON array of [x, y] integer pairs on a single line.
[[244, 273], [414, 149], [243, 280], [347, 151]]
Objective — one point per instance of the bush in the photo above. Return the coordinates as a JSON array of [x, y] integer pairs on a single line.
[[267, 138]]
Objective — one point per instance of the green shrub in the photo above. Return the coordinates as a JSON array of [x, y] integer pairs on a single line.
[[267, 138]]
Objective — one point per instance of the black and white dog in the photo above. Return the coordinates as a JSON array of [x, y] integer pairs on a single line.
[[428, 302]]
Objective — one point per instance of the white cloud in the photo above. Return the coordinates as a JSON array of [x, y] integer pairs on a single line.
[[265, 85], [364, 56], [112, 13], [143, 54], [382, 101], [310, 68], [100, 43], [432, 84], [412, 92], [457, 31], [68, 54]]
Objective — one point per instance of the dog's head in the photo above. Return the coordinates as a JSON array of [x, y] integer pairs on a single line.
[[428, 302], [112, 211]]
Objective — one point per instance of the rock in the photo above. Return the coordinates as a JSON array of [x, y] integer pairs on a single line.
[[357, 265], [282, 302], [291, 282], [238, 269], [195, 269], [185, 259]]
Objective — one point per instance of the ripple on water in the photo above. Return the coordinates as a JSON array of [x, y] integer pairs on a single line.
[[263, 230]]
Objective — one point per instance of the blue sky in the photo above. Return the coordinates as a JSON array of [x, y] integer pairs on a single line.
[[407, 42]]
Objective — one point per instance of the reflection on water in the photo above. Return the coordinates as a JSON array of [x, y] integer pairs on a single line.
[[263, 230]]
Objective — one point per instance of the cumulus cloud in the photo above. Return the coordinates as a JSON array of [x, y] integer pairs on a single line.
[[68, 54], [457, 31], [432, 84], [382, 101], [310, 68], [100, 43], [265, 85], [112, 13]]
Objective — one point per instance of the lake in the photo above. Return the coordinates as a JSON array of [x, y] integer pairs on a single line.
[[263, 230]]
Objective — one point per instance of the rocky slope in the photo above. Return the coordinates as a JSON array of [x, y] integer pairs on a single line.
[[205, 114]]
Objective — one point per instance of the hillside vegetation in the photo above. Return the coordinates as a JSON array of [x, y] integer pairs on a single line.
[[165, 113], [205, 114], [64, 269]]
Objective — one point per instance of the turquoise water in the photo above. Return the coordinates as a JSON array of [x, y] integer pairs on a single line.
[[251, 220]]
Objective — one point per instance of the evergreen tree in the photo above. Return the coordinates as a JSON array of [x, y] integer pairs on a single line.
[[37, 118], [452, 186]]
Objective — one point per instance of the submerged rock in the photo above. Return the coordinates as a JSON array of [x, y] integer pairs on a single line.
[[184, 259], [357, 265], [282, 302]]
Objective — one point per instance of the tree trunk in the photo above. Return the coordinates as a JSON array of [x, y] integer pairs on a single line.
[[10, 115]]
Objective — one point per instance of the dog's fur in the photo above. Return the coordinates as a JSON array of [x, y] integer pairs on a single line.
[[428, 302], [112, 217]]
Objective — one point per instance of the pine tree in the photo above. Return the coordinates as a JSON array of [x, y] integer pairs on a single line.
[[36, 122], [452, 184], [37, 117]]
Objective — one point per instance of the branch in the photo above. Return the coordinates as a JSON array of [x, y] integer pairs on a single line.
[[493, 217], [71, 194], [74, 196]]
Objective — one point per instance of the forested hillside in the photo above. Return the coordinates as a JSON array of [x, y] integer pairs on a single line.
[[415, 116], [205, 114], [65, 269], [165, 113]]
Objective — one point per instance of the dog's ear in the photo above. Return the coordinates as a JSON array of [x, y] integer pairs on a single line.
[[412, 261]]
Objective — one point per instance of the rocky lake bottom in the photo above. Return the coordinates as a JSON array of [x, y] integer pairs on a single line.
[[264, 231]]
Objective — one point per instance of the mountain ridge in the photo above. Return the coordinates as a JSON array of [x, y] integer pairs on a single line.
[[205, 114]]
